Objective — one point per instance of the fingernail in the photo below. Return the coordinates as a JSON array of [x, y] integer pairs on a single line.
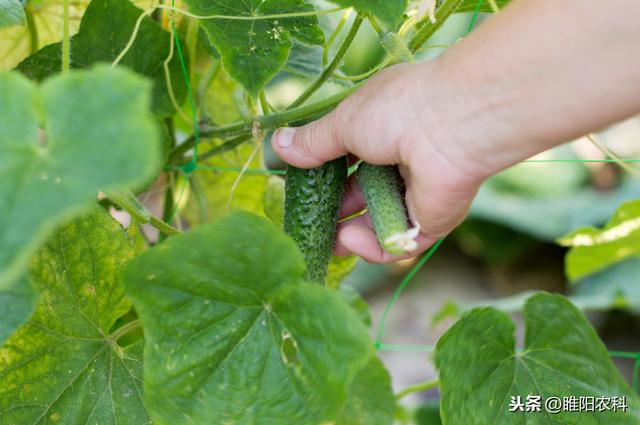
[[284, 137]]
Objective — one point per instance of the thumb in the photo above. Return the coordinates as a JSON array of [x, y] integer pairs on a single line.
[[312, 145]]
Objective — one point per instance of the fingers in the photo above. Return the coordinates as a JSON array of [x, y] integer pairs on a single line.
[[353, 200], [438, 205], [357, 237], [312, 145]]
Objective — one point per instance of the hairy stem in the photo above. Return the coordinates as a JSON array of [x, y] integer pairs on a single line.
[[424, 34], [125, 329], [313, 110], [128, 202], [33, 29], [266, 122]]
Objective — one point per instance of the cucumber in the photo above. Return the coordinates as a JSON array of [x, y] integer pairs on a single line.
[[312, 204], [383, 190]]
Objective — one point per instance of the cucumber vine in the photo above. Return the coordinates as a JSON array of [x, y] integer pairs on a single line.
[[158, 264]]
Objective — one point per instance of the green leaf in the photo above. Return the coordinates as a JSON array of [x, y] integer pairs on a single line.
[[428, 414], [273, 200], [480, 370], [305, 61], [614, 287], [485, 7], [339, 268], [233, 321], [105, 29], [595, 249], [11, 13], [17, 302], [371, 400], [96, 135], [63, 366], [388, 11], [355, 300], [254, 50], [550, 216]]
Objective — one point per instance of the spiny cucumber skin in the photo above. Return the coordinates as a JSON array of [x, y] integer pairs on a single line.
[[382, 187], [312, 204]]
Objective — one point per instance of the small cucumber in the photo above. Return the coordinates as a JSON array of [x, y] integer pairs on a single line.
[[383, 190], [312, 204]]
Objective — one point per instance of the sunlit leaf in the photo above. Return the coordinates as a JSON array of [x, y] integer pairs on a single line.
[[106, 27], [97, 134], [64, 366], [47, 18]]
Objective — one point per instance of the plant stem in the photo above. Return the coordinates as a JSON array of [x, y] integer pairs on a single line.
[[375, 25], [66, 48], [264, 103], [333, 36], [429, 28], [611, 154], [267, 122], [224, 147], [418, 388], [125, 329], [494, 6], [128, 202], [335, 63], [163, 227], [33, 29], [317, 109]]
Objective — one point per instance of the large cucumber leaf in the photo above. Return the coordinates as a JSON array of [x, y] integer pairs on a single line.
[[371, 400], [65, 366], [59, 145], [480, 369], [254, 50], [594, 249], [233, 320], [106, 27]]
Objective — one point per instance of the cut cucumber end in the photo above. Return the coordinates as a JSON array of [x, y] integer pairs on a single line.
[[401, 243]]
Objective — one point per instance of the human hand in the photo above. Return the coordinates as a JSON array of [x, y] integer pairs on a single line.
[[392, 120]]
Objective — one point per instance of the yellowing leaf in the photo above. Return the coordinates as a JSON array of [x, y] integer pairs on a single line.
[[65, 366]]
